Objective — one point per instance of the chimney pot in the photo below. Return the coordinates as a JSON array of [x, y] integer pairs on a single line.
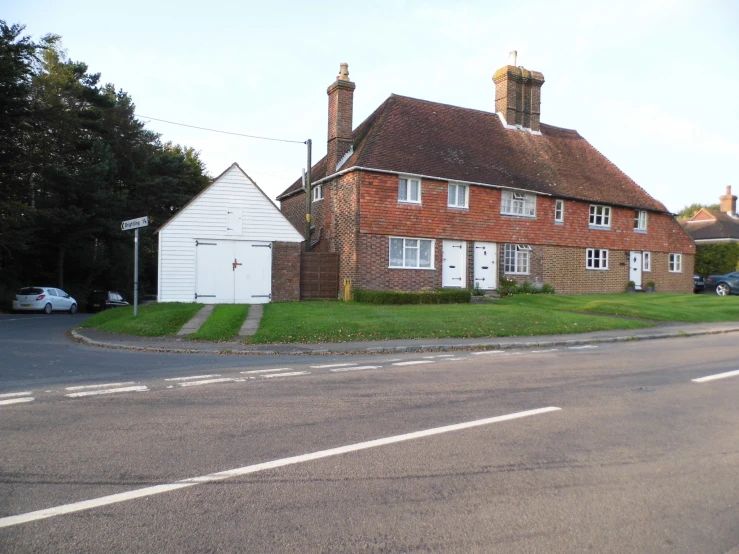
[[512, 56], [728, 202], [343, 72]]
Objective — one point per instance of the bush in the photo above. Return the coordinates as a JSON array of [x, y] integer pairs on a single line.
[[442, 296], [716, 259], [509, 287]]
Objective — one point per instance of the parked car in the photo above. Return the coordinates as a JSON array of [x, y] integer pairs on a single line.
[[104, 299], [44, 299], [724, 284], [698, 284]]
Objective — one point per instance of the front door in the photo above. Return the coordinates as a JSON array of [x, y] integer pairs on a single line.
[[485, 269], [453, 272], [635, 269]]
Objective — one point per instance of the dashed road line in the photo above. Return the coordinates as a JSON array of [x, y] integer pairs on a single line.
[[193, 377], [542, 351], [138, 388], [247, 470], [16, 400], [488, 352], [717, 376], [255, 371], [357, 368], [105, 385], [414, 362], [438, 356], [14, 394], [290, 374], [581, 347], [206, 382], [325, 366]]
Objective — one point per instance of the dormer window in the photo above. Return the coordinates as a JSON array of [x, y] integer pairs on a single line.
[[409, 190], [518, 203], [317, 193]]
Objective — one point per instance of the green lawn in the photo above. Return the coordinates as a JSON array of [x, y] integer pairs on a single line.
[[223, 323], [154, 320], [693, 308], [352, 321]]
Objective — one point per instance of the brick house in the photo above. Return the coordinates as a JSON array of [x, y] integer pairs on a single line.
[[423, 194], [715, 226]]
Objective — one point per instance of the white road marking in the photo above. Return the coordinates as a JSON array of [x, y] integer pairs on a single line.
[[191, 378], [581, 347], [16, 401], [357, 368], [100, 386], [266, 370], [205, 382], [394, 360], [439, 356], [140, 388], [717, 376], [291, 374], [246, 470], [414, 362], [331, 365], [488, 352], [14, 394], [540, 351]]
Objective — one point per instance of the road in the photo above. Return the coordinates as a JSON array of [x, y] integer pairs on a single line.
[[632, 456]]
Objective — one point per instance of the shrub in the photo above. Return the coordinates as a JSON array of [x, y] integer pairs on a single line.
[[442, 296], [509, 287]]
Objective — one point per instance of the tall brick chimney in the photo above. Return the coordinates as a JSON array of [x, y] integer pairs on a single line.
[[340, 108], [728, 202], [518, 95]]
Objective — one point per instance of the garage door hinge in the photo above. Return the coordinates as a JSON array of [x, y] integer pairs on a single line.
[[198, 243], [262, 296], [261, 245]]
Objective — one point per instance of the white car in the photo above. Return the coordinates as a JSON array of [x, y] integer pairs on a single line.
[[44, 299]]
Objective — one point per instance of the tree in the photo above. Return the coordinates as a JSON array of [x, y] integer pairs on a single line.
[[689, 211]]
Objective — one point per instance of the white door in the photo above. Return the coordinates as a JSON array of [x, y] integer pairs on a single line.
[[454, 255], [252, 269], [213, 282], [635, 268], [486, 274]]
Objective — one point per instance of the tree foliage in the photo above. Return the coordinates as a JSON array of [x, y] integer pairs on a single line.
[[74, 163], [689, 211], [716, 259]]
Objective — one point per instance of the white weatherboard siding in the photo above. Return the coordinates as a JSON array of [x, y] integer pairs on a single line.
[[214, 215]]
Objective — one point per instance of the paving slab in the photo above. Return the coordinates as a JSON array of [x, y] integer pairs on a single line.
[[197, 320], [251, 324]]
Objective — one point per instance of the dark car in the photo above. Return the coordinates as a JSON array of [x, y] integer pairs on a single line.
[[724, 285], [104, 299], [698, 284]]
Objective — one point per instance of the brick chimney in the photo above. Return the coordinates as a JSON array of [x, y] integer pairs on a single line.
[[728, 202], [518, 95], [340, 108]]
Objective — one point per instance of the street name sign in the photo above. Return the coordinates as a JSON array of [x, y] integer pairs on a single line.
[[135, 223]]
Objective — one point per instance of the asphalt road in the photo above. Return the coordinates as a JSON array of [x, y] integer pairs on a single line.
[[638, 457]]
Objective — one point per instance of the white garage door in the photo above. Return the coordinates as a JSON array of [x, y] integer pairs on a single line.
[[233, 272]]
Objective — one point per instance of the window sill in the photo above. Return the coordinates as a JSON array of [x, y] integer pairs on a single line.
[[509, 273], [559, 222], [409, 202], [641, 231], [596, 268], [421, 268], [520, 216], [599, 227], [459, 208], [670, 271], [319, 200]]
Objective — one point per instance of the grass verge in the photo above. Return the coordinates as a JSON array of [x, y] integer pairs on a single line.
[[691, 308], [351, 321], [223, 323], [154, 320]]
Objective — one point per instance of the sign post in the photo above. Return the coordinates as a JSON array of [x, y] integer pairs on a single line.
[[127, 226]]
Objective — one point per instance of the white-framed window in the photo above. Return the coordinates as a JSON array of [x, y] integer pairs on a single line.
[[596, 258], [409, 190], [600, 216], [458, 195], [317, 193], [675, 263], [646, 264], [640, 220], [518, 203], [559, 211], [516, 258], [411, 253]]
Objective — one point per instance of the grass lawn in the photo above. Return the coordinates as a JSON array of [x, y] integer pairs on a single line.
[[154, 320], [352, 321], [223, 323], [693, 308]]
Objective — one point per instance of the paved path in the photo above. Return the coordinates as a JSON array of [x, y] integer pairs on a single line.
[[197, 320], [251, 324]]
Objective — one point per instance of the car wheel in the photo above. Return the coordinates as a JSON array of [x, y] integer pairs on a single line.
[[47, 309], [73, 309], [722, 289]]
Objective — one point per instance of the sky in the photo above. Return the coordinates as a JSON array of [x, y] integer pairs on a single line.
[[652, 84]]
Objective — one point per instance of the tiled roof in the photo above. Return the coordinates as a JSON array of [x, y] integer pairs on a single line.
[[723, 226], [407, 135]]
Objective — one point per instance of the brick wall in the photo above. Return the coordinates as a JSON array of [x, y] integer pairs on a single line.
[[286, 271], [293, 209], [374, 254]]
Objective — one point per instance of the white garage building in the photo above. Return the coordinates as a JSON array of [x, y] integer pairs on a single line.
[[223, 247]]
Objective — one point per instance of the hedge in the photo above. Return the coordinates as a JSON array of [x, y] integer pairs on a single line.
[[395, 297], [716, 259]]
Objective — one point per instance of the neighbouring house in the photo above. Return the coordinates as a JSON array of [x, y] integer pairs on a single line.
[[424, 194], [715, 226], [229, 244]]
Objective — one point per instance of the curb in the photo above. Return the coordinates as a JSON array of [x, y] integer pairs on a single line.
[[400, 349]]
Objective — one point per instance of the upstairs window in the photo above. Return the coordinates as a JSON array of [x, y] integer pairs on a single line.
[[409, 190], [596, 258], [640, 220], [517, 203], [600, 216], [317, 193], [675, 263], [516, 258], [559, 211], [458, 196]]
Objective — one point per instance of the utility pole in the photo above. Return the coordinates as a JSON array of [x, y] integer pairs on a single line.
[[308, 197]]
